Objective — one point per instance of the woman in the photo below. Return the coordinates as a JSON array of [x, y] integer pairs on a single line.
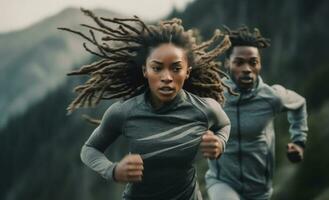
[[158, 70]]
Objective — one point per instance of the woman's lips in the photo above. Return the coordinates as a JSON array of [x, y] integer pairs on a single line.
[[166, 90]]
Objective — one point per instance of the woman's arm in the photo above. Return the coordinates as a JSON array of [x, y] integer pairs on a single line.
[[215, 139], [92, 152], [219, 123], [97, 161], [130, 168]]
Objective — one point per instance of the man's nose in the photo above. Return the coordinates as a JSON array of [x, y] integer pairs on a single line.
[[166, 76], [246, 69]]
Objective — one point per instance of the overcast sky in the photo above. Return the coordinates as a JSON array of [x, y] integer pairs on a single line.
[[18, 14]]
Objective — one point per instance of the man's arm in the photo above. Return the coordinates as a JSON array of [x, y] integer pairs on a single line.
[[295, 105]]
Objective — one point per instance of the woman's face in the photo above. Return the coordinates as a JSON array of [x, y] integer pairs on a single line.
[[166, 71]]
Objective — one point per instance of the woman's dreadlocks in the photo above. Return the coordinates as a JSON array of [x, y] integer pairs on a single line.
[[123, 52], [243, 37]]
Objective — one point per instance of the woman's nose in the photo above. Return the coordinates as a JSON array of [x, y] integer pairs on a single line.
[[166, 76]]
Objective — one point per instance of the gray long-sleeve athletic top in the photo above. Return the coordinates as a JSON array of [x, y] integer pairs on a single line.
[[167, 140], [248, 162]]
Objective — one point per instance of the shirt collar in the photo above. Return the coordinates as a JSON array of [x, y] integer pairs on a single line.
[[180, 97]]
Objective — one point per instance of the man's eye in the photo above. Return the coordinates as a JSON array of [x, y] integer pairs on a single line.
[[253, 63], [238, 62]]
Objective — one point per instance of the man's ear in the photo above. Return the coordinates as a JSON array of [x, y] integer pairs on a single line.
[[144, 71], [189, 69]]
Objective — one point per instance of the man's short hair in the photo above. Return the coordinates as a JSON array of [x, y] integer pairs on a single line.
[[244, 37]]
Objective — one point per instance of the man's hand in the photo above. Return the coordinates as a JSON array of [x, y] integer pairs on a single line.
[[295, 153], [211, 146], [129, 169]]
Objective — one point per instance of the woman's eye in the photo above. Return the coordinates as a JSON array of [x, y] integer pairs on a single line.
[[177, 69], [156, 68]]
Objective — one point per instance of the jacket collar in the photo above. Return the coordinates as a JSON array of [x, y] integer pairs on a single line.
[[242, 95]]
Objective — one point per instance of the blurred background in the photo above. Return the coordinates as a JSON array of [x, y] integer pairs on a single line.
[[40, 144]]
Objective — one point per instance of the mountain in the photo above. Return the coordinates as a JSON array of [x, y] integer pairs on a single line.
[[39, 144], [35, 60], [40, 150]]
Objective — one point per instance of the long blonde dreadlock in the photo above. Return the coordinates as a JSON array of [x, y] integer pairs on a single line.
[[123, 52]]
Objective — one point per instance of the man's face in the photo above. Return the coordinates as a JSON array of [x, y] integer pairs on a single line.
[[244, 66]]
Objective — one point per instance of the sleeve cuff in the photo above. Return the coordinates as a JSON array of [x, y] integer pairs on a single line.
[[222, 141], [110, 172], [300, 143]]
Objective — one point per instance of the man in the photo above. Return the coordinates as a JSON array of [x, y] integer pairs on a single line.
[[244, 171]]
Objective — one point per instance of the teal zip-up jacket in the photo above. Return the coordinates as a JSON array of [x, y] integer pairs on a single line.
[[247, 163], [167, 139]]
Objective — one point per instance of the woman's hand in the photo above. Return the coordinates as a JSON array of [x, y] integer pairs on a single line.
[[129, 169], [211, 146]]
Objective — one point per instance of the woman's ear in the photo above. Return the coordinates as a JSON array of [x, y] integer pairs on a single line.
[[144, 71], [188, 72], [227, 64]]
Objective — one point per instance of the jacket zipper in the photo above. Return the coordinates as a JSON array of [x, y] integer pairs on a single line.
[[239, 141]]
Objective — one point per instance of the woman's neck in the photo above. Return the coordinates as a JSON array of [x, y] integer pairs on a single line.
[[155, 102], [158, 104]]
